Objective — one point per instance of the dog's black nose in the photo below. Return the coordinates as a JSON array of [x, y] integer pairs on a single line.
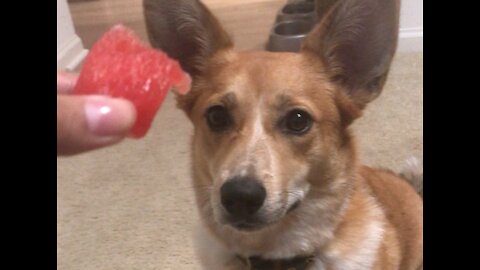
[[242, 196]]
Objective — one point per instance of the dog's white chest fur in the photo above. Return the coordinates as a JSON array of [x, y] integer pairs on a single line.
[[216, 255], [362, 256]]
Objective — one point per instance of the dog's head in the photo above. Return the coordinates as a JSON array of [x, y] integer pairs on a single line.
[[272, 128]]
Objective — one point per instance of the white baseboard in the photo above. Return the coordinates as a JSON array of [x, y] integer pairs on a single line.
[[71, 54], [411, 40]]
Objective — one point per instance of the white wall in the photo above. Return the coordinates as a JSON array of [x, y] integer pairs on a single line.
[[70, 50], [411, 25]]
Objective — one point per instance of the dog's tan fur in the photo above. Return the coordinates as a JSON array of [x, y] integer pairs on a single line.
[[350, 216]]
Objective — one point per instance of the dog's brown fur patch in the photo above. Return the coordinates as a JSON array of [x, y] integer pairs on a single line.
[[348, 216]]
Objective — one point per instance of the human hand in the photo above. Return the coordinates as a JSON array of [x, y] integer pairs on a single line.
[[89, 122]]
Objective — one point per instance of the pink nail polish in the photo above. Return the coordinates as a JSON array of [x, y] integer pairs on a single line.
[[108, 116]]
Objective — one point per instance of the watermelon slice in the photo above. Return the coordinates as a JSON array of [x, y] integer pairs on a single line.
[[120, 65]]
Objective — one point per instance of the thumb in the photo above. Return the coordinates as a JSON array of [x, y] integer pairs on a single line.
[[89, 122]]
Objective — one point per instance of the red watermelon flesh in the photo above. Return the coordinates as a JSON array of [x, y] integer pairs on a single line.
[[120, 65]]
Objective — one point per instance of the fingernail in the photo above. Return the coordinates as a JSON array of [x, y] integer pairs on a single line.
[[109, 116]]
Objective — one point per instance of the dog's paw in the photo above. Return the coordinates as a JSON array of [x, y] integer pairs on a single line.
[[413, 173]]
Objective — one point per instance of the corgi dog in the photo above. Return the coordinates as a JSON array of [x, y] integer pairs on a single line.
[[276, 176]]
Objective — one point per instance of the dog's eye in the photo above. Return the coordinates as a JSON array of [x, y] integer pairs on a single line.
[[218, 118], [297, 122]]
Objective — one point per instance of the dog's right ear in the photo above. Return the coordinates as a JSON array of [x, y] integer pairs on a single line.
[[356, 41], [186, 30]]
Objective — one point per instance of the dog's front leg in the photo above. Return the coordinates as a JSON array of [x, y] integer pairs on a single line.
[[213, 255]]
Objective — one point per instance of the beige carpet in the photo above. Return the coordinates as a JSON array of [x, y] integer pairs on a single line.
[[131, 206]]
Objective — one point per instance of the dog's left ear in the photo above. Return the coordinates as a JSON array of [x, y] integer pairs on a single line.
[[187, 31], [356, 40]]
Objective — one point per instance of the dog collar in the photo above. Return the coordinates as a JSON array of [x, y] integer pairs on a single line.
[[296, 263]]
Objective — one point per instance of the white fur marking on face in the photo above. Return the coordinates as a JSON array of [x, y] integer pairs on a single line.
[[243, 172], [258, 133], [225, 174], [263, 164]]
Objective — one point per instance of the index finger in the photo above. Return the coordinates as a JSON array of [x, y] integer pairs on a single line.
[[66, 82]]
